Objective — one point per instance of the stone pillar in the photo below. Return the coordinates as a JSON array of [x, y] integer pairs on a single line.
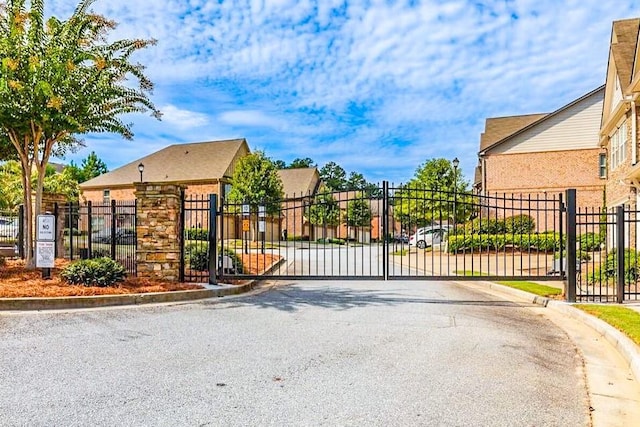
[[158, 231]]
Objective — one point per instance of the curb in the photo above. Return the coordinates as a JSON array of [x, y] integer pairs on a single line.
[[627, 348], [59, 303]]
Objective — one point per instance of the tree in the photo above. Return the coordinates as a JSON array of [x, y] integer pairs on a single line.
[[279, 164], [358, 212], [356, 181], [432, 194], [60, 79], [325, 210], [301, 163], [333, 176], [256, 182], [12, 193], [90, 167]]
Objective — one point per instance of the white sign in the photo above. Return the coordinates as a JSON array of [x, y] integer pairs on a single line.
[[262, 227], [46, 228], [45, 254], [245, 209], [262, 212]]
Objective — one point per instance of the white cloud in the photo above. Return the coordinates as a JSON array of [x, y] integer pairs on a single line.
[[250, 118], [183, 119]]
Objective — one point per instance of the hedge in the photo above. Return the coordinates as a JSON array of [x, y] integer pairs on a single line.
[[198, 257], [196, 234], [606, 273], [546, 242]]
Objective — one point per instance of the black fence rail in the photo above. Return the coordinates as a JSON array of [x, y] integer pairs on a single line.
[[607, 258], [11, 229], [196, 214], [324, 236], [92, 230], [445, 234]]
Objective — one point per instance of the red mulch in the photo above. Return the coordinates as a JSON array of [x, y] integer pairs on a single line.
[[16, 281]]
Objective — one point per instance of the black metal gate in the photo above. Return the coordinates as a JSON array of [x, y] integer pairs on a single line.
[[385, 233]]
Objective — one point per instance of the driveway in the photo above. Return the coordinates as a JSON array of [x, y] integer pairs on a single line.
[[311, 353]]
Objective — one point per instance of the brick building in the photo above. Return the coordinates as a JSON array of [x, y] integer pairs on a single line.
[[543, 154]]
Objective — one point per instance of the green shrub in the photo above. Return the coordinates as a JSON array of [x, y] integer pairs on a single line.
[[484, 226], [298, 238], [198, 257], [194, 233], [100, 272], [544, 242], [606, 273], [590, 242], [332, 240], [520, 224]]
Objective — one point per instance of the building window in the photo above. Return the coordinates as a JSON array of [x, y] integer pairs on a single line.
[[602, 165], [106, 196], [619, 146]]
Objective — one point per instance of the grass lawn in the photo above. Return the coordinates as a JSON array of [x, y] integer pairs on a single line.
[[533, 288], [469, 273], [624, 319], [401, 252]]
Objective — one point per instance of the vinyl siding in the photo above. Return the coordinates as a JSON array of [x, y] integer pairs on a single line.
[[575, 128], [617, 94]]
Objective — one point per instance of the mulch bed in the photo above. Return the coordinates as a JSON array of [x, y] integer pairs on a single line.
[[16, 281]]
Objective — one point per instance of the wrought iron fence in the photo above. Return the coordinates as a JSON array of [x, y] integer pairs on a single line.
[[607, 258], [445, 234], [11, 225], [93, 230]]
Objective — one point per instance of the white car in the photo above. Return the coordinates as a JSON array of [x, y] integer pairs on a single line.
[[428, 236]]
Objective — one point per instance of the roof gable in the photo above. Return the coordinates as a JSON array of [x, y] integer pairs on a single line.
[[592, 98], [299, 182], [624, 37], [498, 128], [201, 161]]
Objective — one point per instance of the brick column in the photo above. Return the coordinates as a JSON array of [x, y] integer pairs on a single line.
[[158, 231]]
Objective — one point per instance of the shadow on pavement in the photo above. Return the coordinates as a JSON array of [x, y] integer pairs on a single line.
[[291, 298]]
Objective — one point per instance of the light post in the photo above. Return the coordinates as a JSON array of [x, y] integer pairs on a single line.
[[141, 169]]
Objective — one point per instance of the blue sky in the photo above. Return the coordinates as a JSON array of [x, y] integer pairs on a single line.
[[377, 86]]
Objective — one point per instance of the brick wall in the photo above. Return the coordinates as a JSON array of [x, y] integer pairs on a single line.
[[549, 172], [619, 191]]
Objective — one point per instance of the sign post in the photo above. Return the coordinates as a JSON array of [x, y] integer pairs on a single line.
[[45, 243]]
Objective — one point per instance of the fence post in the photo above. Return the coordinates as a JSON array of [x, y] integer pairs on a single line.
[[113, 229], [213, 239], [620, 273], [70, 224], [89, 227], [570, 288], [385, 230], [181, 235], [21, 242]]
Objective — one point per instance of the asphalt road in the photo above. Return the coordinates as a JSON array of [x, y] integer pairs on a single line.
[[313, 353]]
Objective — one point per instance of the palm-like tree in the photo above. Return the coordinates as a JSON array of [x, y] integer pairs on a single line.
[[61, 79]]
